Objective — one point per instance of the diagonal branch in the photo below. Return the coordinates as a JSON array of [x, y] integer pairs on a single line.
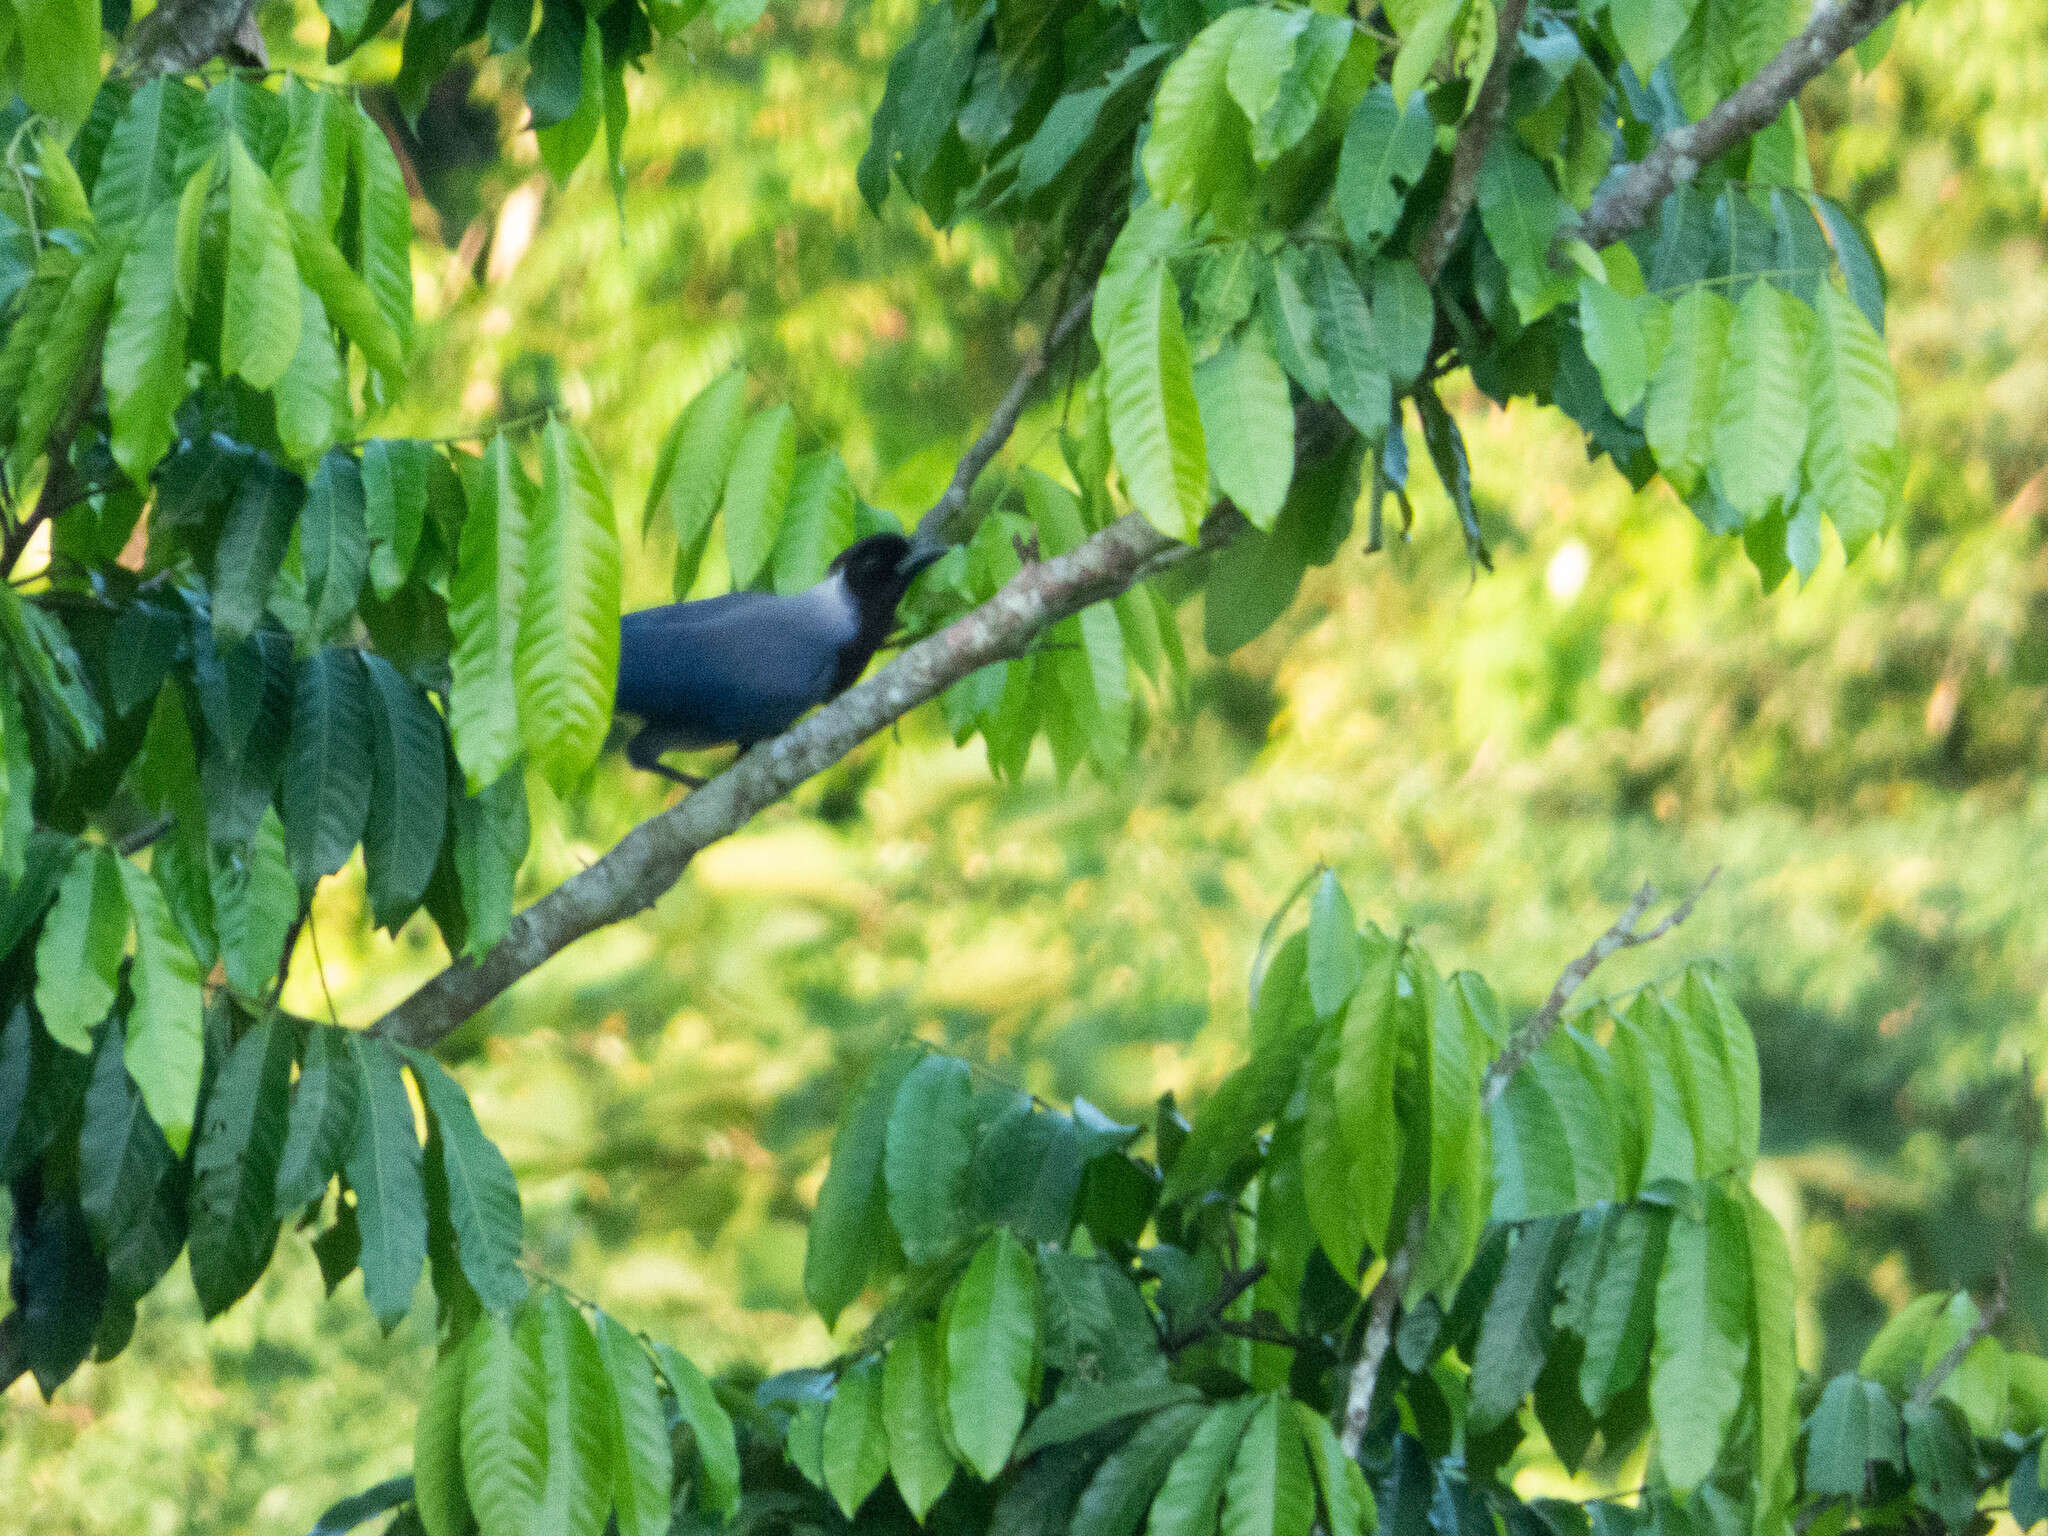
[[1488, 112], [1621, 934], [652, 857]]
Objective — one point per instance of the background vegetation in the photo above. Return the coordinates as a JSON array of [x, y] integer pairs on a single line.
[[1493, 761]]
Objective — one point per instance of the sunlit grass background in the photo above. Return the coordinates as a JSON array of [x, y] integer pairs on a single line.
[[1496, 762]]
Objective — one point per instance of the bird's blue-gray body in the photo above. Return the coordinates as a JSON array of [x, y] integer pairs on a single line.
[[738, 668]]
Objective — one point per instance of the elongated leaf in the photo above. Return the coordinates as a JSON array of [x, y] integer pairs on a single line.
[[164, 1050], [567, 660], [818, 524], [1702, 1343], [486, 596], [1347, 1501], [399, 477], [438, 1495], [261, 311], [1192, 1493], [1344, 327], [717, 1454], [643, 1465], [1774, 1361], [1514, 1332], [1155, 423], [483, 1197], [312, 164], [327, 769], [576, 1488], [1386, 149], [312, 395], [252, 545], [321, 1129], [344, 297], [255, 903], [143, 360], [334, 540], [847, 1226], [383, 1168], [926, 1154], [1199, 152], [1115, 1500], [128, 1181], [1248, 423], [856, 1445], [1613, 338], [757, 492], [383, 251], [408, 795], [1712, 1010], [1685, 392], [234, 1170], [1268, 1491], [1760, 425], [696, 456], [1855, 420], [991, 1340], [62, 350], [138, 171], [79, 954], [1084, 1407], [504, 1430], [1363, 1089], [1522, 213], [1245, 1102], [913, 1401]]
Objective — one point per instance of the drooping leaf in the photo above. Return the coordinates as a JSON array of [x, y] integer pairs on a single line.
[[717, 1454], [1760, 426], [913, 1400], [991, 1341], [311, 396], [926, 1153], [483, 1197], [696, 456], [1269, 1491], [567, 659], [345, 298], [321, 1129], [1613, 338], [255, 904], [438, 1494], [1386, 149], [486, 596], [575, 1491], [164, 1050], [818, 524], [1855, 420], [855, 1452], [234, 1169], [849, 1223], [129, 1185], [1344, 327], [260, 311], [1199, 152], [143, 359], [78, 956], [383, 1168], [327, 771], [504, 1430], [1523, 213], [1514, 1332], [383, 250], [252, 545], [408, 793], [1192, 1494], [1155, 422], [757, 492], [1248, 423], [1347, 1501], [1116, 1498], [643, 1463], [1702, 1342], [1685, 391]]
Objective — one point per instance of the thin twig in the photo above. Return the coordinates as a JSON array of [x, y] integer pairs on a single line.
[[1475, 134], [1199, 1328], [1623, 934], [143, 836], [1381, 1310], [518, 423]]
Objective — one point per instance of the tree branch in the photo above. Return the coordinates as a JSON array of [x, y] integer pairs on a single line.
[[1624, 204], [180, 35], [652, 857], [1622, 934], [1474, 135], [1381, 1309]]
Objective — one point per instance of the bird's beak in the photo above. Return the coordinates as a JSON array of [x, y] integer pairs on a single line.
[[922, 553]]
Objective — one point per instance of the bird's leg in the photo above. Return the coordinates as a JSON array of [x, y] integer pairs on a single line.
[[1026, 547], [687, 780], [644, 752]]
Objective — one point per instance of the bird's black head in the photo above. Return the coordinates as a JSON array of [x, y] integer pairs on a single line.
[[880, 568]]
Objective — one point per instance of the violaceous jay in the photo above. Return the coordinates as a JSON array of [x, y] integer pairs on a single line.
[[742, 667]]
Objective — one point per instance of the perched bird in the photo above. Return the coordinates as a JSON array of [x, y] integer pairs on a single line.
[[742, 667]]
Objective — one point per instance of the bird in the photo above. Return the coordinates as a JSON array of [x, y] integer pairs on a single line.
[[744, 666]]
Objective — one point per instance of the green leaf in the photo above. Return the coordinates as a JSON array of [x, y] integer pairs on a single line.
[[438, 1494], [383, 1168], [60, 57], [1522, 214], [383, 248], [568, 652], [1760, 426], [1192, 1492], [564, 143], [255, 903], [1198, 154], [1155, 423], [347, 299], [696, 456], [492, 831], [1712, 1010], [143, 360], [1514, 1331], [1532, 1154], [1404, 313], [1248, 419], [991, 1341], [757, 492], [128, 1179], [138, 171], [397, 476], [1229, 1122], [926, 1153], [17, 817], [164, 1049], [505, 1412], [913, 1400], [334, 541], [1386, 149], [818, 524], [312, 165], [78, 957], [1154, 233], [408, 793], [326, 793], [856, 1445], [1115, 1500], [1649, 29], [1702, 1343], [1854, 1424], [1269, 1492], [486, 595], [1773, 1357], [260, 314], [321, 1129], [234, 1169], [1855, 420], [1685, 391], [1613, 338], [1344, 327], [1942, 1460], [576, 1486], [1362, 1087], [252, 546], [1657, 1105], [312, 395], [643, 1464], [848, 1225], [1347, 1501], [1616, 1299], [483, 1197], [700, 1409], [1336, 963], [62, 351], [1422, 44]]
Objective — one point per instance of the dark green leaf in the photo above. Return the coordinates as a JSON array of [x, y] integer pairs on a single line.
[[717, 1453], [408, 796], [252, 545], [383, 1168], [1514, 1334], [1117, 1496], [234, 1170], [130, 1186], [322, 1126], [848, 1225], [483, 1197], [1084, 1407], [326, 798], [334, 541]]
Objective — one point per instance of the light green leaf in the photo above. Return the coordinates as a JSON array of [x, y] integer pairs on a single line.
[[1363, 1089], [504, 1431], [1711, 1008], [62, 349], [700, 1409], [1621, 1299], [757, 492], [1269, 1492], [234, 1169], [143, 360], [1347, 1501], [1774, 1359], [1685, 391], [1344, 326], [1199, 152], [438, 1494], [1404, 313], [1532, 1155], [856, 1445], [1522, 214], [486, 596], [138, 172], [1422, 45], [696, 456], [398, 476], [1514, 1330], [1192, 1493], [164, 1050], [60, 56], [1155, 423], [255, 903], [1855, 420], [1248, 422], [643, 1463], [991, 1341], [1152, 234], [1649, 29], [312, 165], [383, 1168], [78, 957], [346, 299], [818, 524], [1386, 149], [913, 1400], [1702, 1343], [1614, 341], [1760, 426], [261, 313], [383, 246], [483, 1197], [563, 144], [926, 1155], [1335, 962], [312, 394]]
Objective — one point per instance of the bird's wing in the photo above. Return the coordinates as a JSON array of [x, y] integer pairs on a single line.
[[733, 667]]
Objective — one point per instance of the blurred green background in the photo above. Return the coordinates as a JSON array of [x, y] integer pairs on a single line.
[[1497, 762]]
